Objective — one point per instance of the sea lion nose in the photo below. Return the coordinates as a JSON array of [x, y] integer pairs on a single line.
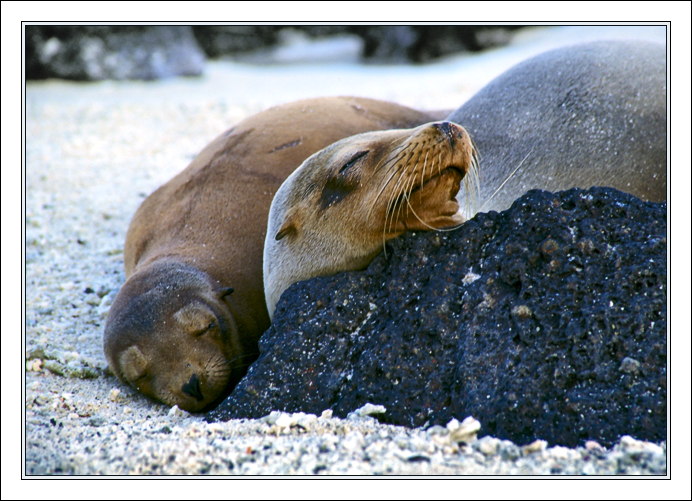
[[451, 130], [192, 388]]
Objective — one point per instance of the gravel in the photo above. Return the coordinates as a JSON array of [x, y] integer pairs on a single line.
[[93, 152], [172, 442]]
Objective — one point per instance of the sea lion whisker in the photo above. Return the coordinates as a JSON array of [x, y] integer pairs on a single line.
[[410, 186], [395, 151], [422, 175], [389, 211], [511, 174], [400, 187], [393, 158], [377, 197], [471, 187], [407, 188], [392, 206], [249, 355]]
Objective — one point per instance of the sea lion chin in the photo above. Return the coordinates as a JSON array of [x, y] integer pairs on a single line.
[[336, 211]]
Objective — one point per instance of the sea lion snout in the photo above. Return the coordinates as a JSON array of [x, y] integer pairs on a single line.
[[192, 388], [450, 130]]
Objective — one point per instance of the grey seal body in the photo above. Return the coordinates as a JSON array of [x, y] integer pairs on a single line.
[[579, 116]]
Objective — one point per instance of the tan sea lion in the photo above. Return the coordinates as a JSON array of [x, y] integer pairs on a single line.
[[578, 116], [338, 208], [184, 326]]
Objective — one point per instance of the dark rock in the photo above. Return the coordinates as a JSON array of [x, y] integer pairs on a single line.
[[111, 52], [153, 52], [530, 320], [424, 43], [218, 41], [393, 43]]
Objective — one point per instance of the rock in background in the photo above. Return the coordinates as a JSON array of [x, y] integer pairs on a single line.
[[153, 52], [546, 321], [424, 43], [111, 52], [220, 41]]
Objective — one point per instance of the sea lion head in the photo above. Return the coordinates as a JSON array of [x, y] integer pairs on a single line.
[[336, 211], [170, 335]]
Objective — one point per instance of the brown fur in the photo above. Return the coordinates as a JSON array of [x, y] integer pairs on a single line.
[[336, 211], [175, 332]]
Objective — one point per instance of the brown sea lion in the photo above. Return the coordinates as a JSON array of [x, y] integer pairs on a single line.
[[338, 208], [184, 326]]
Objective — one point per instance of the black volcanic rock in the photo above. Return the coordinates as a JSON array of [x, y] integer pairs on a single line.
[[544, 321], [111, 52]]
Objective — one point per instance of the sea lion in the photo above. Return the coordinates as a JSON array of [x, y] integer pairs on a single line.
[[592, 114], [184, 326], [339, 207], [578, 116]]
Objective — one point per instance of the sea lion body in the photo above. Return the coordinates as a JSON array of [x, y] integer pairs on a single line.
[[184, 326], [586, 115]]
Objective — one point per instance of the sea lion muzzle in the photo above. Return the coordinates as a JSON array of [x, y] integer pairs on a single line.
[[193, 388]]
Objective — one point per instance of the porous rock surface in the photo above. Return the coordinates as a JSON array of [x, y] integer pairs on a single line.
[[545, 321]]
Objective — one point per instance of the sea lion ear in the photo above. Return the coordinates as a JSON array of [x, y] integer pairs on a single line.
[[222, 292], [132, 363], [287, 228]]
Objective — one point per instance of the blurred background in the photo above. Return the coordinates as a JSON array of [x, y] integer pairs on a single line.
[[152, 52], [433, 66]]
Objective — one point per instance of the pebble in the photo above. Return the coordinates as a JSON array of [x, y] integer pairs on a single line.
[[592, 445], [114, 394], [489, 445], [286, 420], [535, 446], [176, 411], [629, 365], [34, 365], [630, 444], [464, 431], [367, 410], [559, 452]]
